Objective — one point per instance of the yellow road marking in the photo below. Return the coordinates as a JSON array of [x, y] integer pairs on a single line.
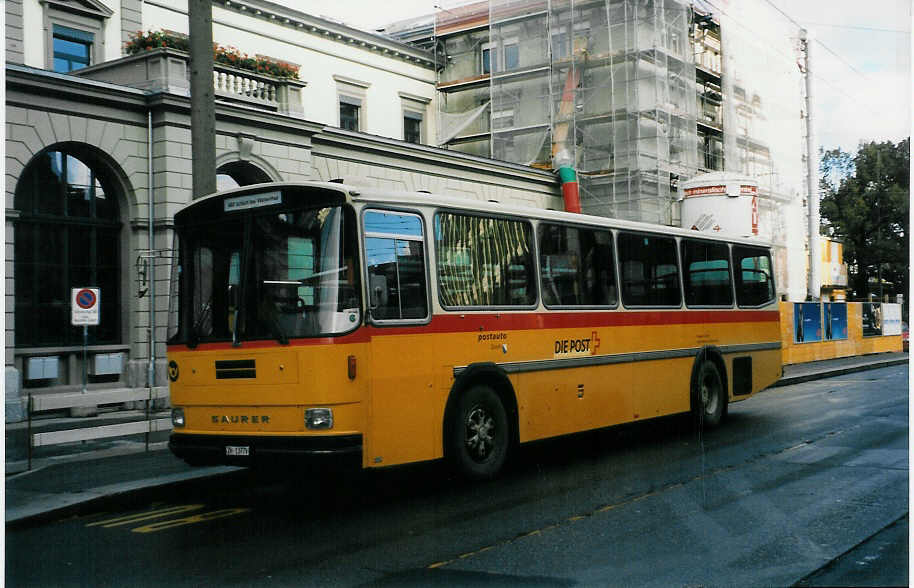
[[199, 518], [145, 516]]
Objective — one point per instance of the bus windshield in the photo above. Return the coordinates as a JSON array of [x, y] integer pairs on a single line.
[[271, 275]]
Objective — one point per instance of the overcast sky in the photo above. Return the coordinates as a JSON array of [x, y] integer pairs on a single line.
[[862, 65]]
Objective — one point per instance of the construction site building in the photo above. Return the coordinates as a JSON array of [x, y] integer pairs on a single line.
[[636, 95]]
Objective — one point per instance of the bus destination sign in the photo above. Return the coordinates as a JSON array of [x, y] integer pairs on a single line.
[[253, 201]]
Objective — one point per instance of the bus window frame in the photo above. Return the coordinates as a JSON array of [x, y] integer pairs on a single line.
[[363, 235], [676, 239], [534, 252], [682, 270], [578, 226], [774, 286]]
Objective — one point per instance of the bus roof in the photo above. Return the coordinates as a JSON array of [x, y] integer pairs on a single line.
[[367, 194]]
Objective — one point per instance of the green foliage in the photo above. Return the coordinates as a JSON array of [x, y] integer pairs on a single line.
[[146, 41], [865, 203]]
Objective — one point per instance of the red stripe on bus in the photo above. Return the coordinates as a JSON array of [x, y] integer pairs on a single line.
[[467, 322]]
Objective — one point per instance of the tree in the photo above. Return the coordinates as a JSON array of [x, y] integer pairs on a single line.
[[865, 203]]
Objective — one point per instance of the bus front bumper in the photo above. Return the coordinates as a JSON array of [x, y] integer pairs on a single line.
[[250, 449]]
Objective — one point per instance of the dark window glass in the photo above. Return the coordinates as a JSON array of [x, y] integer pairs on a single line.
[[484, 261], [754, 276], [412, 129], [67, 237], [72, 49], [649, 270], [395, 257], [239, 173], [487, 62], [349, 116], [706, 273], [576, 265]]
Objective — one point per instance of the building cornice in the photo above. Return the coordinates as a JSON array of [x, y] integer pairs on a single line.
[[64, 86], [334, 31]]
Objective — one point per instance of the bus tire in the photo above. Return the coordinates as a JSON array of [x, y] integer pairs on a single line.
[[709, 399], [479, 434]]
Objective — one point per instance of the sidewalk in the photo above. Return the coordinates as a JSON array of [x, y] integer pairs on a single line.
[[61, 484]]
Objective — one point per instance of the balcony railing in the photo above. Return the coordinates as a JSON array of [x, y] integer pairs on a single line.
[[166, 69]]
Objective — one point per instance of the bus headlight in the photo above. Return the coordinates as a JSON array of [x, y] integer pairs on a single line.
[[177, 417], [319, 418]]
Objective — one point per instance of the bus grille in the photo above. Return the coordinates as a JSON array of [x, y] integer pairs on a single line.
[[230, 369]]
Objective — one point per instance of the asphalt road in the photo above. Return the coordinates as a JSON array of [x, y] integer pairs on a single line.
[[803, 484]]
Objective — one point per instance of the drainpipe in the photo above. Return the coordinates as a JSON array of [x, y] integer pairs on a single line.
[[569, 179], [150, 371]]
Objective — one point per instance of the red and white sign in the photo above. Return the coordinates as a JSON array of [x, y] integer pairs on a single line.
[[755, 217], [84, 305]]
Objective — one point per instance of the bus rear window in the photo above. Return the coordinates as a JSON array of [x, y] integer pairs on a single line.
[[754, 276], [484, 261]]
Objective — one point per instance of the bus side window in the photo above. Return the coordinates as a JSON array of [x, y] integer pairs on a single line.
[[395, 259], [649, 270], [576, 266], [706, 273]]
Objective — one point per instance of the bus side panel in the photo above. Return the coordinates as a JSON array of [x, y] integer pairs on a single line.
[[661, 387], [558, 402], [404, 407], [766, 369]]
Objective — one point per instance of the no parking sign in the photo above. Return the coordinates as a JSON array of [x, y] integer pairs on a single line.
[[85, 303]]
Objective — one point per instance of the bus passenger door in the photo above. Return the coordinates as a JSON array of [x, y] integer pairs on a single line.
[[401, 400]]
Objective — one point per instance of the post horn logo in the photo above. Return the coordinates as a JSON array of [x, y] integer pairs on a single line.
[[173, 372]]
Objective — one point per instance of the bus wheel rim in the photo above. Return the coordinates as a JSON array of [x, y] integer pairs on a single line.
[[480, 434], [709, 395]]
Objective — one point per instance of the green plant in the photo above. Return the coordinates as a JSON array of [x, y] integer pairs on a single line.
[[230, 56]]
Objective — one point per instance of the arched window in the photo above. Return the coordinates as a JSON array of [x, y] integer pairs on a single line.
[[239, 173], [67, 236]]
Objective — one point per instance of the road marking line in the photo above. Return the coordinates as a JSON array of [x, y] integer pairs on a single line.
[[145, 516], [200, 518]]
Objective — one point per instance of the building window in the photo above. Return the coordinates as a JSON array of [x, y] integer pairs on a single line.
[[512, 54], [489, 60], [412, 129], [352, 97], [413, 108], [349, 114], [67, 236], [74, 33], [72, 49]]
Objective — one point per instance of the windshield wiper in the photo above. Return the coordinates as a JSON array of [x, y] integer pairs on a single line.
[[194, 338]]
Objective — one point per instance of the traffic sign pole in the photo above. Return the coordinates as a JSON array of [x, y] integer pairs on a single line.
[[85, 358]]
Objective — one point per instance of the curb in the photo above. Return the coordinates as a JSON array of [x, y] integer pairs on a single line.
[[39, 510], [799, 379]]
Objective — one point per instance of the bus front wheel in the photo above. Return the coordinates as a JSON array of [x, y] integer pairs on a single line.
[[709, 398], [478, 443]]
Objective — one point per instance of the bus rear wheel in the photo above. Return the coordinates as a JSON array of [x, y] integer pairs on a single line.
[[709, 400], [478, 434]]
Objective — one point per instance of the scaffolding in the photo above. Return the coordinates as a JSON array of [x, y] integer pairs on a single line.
[[608, 84], [637, 95]]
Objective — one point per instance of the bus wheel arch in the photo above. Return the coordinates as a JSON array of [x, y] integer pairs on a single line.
[[708, 362], [470, 390]]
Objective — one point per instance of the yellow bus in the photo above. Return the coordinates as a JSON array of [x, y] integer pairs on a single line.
[[319, 319]]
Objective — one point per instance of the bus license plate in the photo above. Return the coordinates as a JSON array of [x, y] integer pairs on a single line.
[[237, 450]]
